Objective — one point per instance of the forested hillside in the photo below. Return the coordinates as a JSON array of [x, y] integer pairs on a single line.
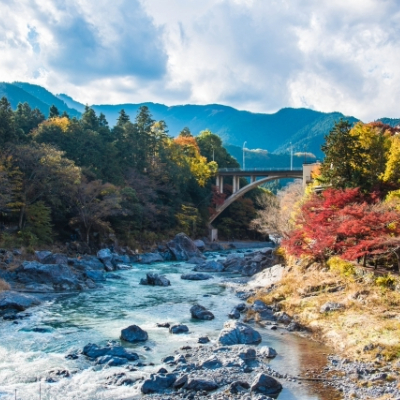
[[63, 178], [304, 129]]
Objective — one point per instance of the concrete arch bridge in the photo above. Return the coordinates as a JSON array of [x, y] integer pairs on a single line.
[[257, 176]]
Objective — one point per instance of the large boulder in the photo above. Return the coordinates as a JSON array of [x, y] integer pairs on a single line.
[[234, 263], [134, 334], [155, 280], [106, 257], [210, 266], [196, 277], [158, 383], [183, 248], [41, 254], [86, 263], [200, 244], [196, 260], [14, 302], [56, 258], [149, 258], [266, 385], [200, 312], [235, 332], [54, 277]]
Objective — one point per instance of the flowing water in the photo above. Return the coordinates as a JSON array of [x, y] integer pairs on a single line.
[[39, 343]]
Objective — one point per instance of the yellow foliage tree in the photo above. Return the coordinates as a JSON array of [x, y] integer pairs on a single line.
[[199, 167], [392, 171]]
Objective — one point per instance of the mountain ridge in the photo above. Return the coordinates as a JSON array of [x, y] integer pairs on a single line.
[[301, 128]]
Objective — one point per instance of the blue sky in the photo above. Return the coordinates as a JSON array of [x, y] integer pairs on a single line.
[[258, 55]]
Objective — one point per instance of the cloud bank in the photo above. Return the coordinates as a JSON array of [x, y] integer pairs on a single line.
[[250, 54]]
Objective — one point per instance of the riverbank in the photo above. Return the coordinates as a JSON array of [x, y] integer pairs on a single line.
[[49, 342], [349, 310]]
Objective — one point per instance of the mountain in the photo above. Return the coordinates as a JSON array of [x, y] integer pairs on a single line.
[[301, 128], [390, 121], [47, 98]]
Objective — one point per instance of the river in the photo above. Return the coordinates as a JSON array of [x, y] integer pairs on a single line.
[[39, 343]]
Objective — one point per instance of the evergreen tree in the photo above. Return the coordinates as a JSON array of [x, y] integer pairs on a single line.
[[54, 113]]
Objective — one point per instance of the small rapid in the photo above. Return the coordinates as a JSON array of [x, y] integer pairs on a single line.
[[39, 343]]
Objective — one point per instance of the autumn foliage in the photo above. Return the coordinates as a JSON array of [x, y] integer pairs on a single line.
[[346, 223]]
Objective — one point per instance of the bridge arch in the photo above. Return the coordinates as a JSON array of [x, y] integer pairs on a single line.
[[234, 196]]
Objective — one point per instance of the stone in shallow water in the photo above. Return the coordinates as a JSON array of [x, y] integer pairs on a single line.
[[196, 277], [200, 312], [267, 352], [176, 329], [155, 280], [203, 340], [134, 334], [238, 333], [266, 385]]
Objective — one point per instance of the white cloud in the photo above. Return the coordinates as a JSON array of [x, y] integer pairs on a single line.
[[252, 54]]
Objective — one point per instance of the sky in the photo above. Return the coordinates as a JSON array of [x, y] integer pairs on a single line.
[[256, 55]]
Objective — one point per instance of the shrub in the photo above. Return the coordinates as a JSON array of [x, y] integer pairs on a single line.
[[344, 268], [387, 281]]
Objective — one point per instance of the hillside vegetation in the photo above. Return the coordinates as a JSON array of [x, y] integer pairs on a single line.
[[342, 244], [303, 128]]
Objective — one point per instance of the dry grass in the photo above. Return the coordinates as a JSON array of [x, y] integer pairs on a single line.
[[4, 286], [371, 314]]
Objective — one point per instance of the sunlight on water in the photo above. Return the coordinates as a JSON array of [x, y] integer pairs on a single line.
[[39, 343]]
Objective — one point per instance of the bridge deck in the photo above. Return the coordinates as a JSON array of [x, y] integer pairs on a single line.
[[258, 171]]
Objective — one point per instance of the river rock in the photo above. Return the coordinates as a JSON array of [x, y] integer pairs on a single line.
[[211, 363], [134, 334], [210, 266], [197, 384], [149, 258], [196, 277], [283, 318], [247, 354], [158, 383], [95, 276], [53, 277], [234, 263], [111, 361], [86, 263], [14, 302], [200, 312], [235, 332], [203, 340], [179, 328], [237, 387], [183, 248], [267, 352], [106, 257], [57, 374], [266, 385], [234, 314], [331, 306], [56, 258], [199, 244], [155, 280], [40, 255], [196, 260], [94, 351]]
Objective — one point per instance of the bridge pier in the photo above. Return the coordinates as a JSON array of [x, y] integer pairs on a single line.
[[252, 178]]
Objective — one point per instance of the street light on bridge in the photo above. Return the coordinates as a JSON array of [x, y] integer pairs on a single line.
[[244, 165]]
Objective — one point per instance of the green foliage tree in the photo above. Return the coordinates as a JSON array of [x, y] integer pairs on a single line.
[[53, 112]]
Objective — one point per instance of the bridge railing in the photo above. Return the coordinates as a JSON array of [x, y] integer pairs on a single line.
[[258, 169]]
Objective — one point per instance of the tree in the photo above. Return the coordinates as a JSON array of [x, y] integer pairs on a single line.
[[27, 119], [46, 175], [93, 203], [392, 170], [277, 213], [53, 112], [342, 156]]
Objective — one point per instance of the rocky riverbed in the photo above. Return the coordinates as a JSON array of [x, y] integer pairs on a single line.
[[201, 338]]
